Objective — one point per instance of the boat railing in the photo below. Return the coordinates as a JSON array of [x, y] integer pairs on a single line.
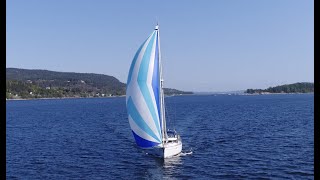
[[173, 136], [178, 137]]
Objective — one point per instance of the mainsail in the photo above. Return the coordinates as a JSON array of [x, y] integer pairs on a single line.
[[143, 94]]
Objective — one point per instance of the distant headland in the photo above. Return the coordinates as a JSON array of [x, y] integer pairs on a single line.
[[30, 84], [301, 87]]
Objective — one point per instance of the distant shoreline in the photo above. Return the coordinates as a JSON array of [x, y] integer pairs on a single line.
[[244, 94], [275, 93], [247, 94], [20, 99]]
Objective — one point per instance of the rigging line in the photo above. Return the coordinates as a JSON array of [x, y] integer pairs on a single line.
[[169, 116], [175, 112]]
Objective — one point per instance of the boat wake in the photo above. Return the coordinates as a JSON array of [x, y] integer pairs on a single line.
[[189, 152]]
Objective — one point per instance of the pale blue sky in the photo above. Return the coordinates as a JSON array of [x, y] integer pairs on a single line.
[[207, 45]]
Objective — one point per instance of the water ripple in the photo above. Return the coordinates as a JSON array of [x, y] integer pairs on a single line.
[[224, 137]]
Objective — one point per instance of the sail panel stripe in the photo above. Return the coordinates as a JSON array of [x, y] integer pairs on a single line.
[[156, 80], [143, 142], [142, 81], [138, 100], [139, 131], [135, 59], [136, 117]]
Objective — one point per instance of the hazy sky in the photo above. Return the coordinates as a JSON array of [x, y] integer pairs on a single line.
[[206, 45]]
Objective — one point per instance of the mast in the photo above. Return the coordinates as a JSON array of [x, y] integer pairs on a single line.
[[162, 108]]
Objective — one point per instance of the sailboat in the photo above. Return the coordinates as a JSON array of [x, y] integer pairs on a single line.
[[145, 101]]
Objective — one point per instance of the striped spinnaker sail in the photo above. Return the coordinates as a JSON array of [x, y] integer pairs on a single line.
[[143, 93]]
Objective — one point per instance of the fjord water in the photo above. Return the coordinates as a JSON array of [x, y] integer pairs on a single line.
[[224, 137]]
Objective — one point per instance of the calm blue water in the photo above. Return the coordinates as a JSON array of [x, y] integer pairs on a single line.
[[230, 137]]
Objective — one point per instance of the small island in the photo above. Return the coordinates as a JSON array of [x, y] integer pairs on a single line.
[[301, 87]]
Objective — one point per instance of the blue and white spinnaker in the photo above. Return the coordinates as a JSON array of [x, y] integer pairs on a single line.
[[143, 94]]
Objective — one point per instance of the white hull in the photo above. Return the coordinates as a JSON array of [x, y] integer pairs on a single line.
[[167, 150], [172, 149]]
